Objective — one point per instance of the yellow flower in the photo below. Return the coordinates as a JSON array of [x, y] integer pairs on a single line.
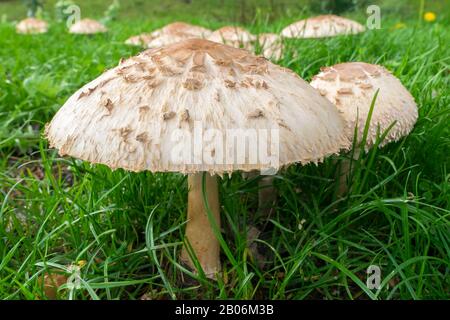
[[429, 16], [399, 25], [82, 263]]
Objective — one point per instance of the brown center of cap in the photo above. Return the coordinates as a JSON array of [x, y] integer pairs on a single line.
[[222, 54]]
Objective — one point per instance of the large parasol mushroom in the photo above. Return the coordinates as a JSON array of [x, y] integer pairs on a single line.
[[181, 108]]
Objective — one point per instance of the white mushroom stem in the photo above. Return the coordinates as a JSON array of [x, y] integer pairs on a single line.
[[266, 195], [345, 171], [200, 234]]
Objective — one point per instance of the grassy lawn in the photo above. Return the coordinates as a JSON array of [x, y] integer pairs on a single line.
[[125, 230]]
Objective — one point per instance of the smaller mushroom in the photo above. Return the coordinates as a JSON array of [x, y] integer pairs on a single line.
[[176, 32], [140, 40], [322, 26], [87, 26], [182, 28], [32, 26], [271, 45], [351, 87], [234, 36], [166, 40]]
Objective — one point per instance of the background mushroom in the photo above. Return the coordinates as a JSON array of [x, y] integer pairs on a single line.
[[351, 87], [126, 119], [271, 46], [182, 28], [167, 39], [32, 26], [87, 26], [322, 26], [176, 32], [141, 40], [234, 36]]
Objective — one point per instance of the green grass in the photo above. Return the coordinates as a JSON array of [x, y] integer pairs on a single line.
[[56, 212], [227, 10]]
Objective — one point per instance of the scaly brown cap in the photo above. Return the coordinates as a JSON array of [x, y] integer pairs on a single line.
[[126, 118]]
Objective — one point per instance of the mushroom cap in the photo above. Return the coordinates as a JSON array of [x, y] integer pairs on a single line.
[[351, 87], [32, 26], [233, 36], [87, 26], [126, 118], [322, 26], [140, 40], [182, 29], [271, 45]]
